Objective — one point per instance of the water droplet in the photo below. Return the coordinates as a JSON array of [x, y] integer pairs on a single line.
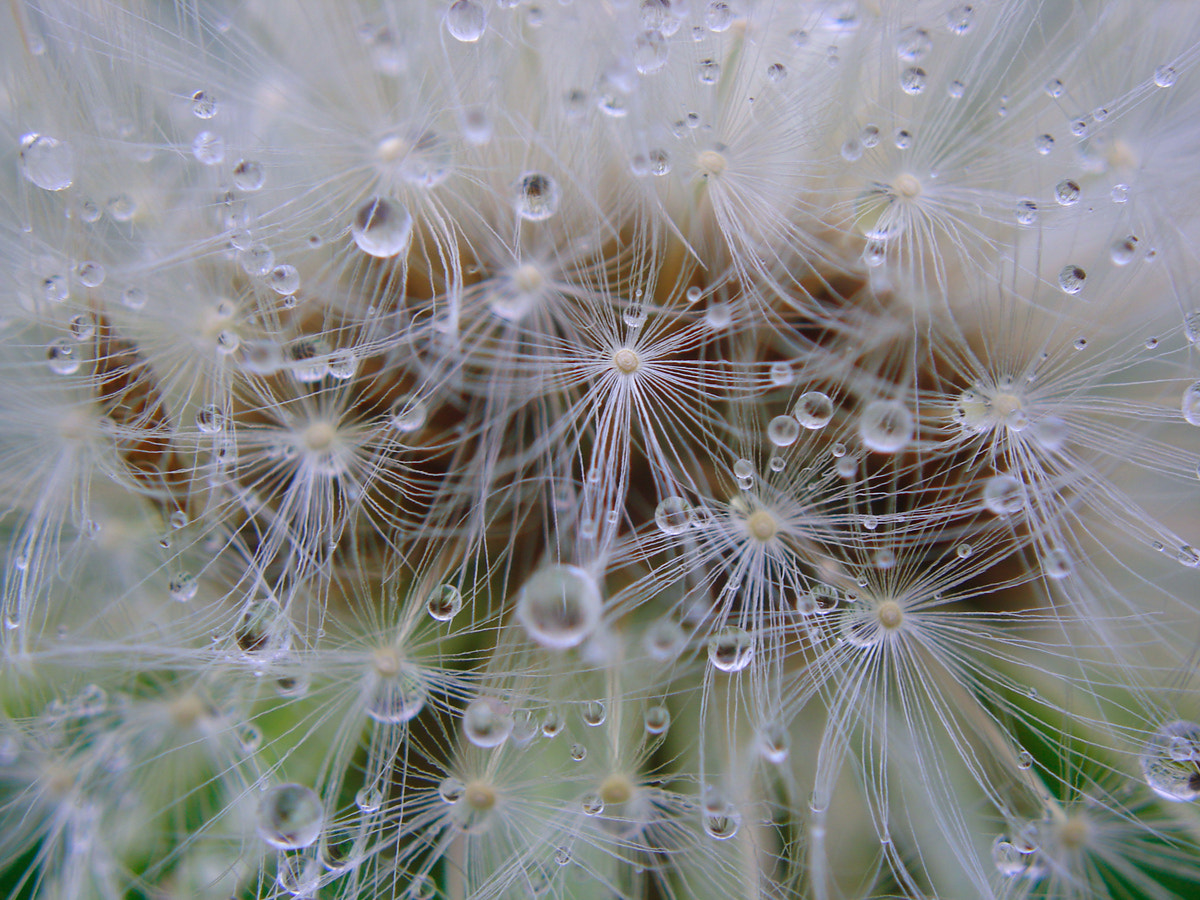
[[55, 289], [559, 606], [730, 649], [204, 105], [552, 723], [91, 701], [536, 196], [955, 89], [1054, 88], [133, 298], [657, 719], [562, 855], [1003, 495], [708, 71], [466, 21], [1190, 405], [91, 274], [256, 260], [1050, 433], [718, 16], [81, 326], [692, 295], [396, 693], [902, 139], [451, 790], [1056, 563], [658, 15], [673, 515], [960, 18], [183, 587], [591, 803], [227, 342], [912, 80], [664, 640], [262, 357], [813, 410], [1009, 861], [743, 472], [444, 602], [964, 551], [634, 314], [47, 162], [1027, 212], [382, 228], [61, 357], [1067, 192], [874, 253], [852, 150], [721, 826], [209, 148], [341, 364], [1120, 193], [1043, 143], [886, 426], [776, 72], [1170, 761], [263, 632], [781, 374], [248, 175], [408, 413], [1123, 250], [487, 723], [284, 280], [913, 44], [578, 752], [1164, 76], [476, 125], [368, 799], [1071, 279], [782, 431], [594, 713], [1191, 326], [290, 816], [649, 52], [121, 208], [774, 742]]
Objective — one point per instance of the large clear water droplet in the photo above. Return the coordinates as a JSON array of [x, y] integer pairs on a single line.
[[382, 227], [47, 162], [487, 723], [886, 426], [290, 816], [559, 606], [1170, 761], [466, 21]]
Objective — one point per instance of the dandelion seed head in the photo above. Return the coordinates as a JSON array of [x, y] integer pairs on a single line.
[[626, 360]]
